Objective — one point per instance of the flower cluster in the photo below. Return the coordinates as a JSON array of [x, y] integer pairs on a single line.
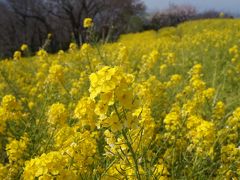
[[124, 110], [47, 166], [15, 149], [57, 114]]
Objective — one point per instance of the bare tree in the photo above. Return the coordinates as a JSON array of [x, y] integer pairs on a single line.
[[9, 36], [174, 15], [29, 21], [117, 14], [74, 11]]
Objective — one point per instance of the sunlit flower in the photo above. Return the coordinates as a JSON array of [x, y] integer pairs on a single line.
[[87, 22]]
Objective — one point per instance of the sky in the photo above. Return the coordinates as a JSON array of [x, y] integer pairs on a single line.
[[232, 6]]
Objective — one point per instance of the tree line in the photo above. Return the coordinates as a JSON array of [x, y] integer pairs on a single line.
[[32, 22]]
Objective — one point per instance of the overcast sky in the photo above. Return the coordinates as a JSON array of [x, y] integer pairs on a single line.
[[221, 5]]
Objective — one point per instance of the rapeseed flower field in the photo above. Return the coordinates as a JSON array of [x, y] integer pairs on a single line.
[[153, 105]]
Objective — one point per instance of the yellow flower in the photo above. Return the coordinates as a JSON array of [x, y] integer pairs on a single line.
[[56, 73], [85, 49], [87, 23], [209, 93], [229, 153], [15, 149], [161, 170], [42, 53], [57, 114], [24, 47], [3, 120], [125, 97], [104, 81], [175, 80], [3, 171], [60, 53], [72, 46], [110, 138], [47, 166], [49, 36], [84, 108], [113, 123], [101, 108], [30, 105], [84, 111], [172, 121], [17, 55], [219, 110], [163, 68], [9, 102]]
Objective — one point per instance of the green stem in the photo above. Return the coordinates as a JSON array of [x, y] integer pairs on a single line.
[[62, 84], [51, 137], [124, 133], [89, 63]]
